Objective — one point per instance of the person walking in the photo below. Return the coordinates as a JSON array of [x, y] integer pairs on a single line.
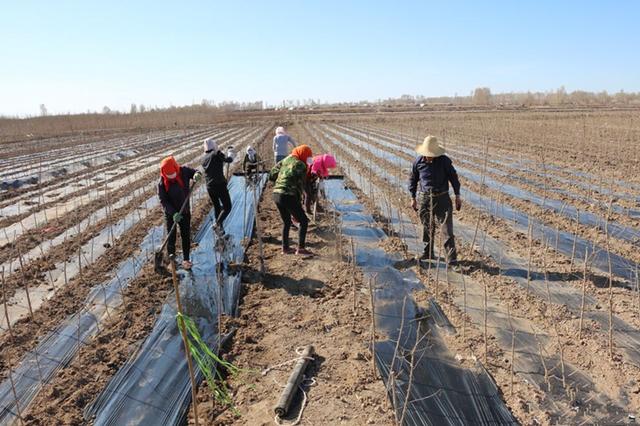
[[289, 177], [431, 173], [173, 191], [281, 143], [213, 164]]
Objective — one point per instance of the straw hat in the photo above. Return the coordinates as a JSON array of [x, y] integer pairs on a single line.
[[430, 147]]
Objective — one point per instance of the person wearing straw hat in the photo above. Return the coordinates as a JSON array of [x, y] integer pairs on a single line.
[[431, 173], [281, 143]]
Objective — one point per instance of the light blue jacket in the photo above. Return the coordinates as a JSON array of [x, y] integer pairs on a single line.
[[281, 144]]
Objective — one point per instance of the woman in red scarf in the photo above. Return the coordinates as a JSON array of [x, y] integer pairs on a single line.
[[289, 176], [173, 191]]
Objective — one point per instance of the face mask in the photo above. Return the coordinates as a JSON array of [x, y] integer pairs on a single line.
[[309, 161], [172, 176]]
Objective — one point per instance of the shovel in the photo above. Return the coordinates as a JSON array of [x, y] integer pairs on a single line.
[[158, 265]]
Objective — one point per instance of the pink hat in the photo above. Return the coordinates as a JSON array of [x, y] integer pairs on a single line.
[[322, 164]]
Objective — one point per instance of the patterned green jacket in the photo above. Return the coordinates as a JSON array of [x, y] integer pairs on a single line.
[[289, 176]]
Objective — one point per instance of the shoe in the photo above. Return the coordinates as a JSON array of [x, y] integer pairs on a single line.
[[187, 264], [287, 250], [455, 266], [219, 230], [426, 256], [303, 252]]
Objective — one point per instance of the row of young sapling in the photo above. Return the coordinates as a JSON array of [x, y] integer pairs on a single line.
[[560, 341], [139, 198], [196, 342]]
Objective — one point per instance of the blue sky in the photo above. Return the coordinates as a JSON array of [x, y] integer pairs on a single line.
[[75, 56]]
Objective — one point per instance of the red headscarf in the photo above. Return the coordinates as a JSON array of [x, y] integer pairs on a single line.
[[302, 152], [169, 166]]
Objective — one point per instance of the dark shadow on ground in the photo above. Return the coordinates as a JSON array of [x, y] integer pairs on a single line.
[[305, 286]]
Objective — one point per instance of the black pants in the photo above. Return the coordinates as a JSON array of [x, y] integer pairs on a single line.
[[290, 205], [221, 200], [185, 235], [437, 212]]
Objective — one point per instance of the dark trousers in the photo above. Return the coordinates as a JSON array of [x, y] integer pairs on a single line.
[[221, 200], [310, 193], [185, 235], [437, 212], [290, 205]]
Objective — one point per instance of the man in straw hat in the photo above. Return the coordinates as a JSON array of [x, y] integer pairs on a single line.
[[431, 173]]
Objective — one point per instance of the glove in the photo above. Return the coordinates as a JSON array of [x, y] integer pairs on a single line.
[[177, 217], [458, 203], [197, 177]]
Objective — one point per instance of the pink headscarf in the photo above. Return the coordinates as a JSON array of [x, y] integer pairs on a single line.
[[322, 164]]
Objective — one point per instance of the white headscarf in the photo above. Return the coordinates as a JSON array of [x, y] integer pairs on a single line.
[[280, 130], [251, 153], [210, 144]]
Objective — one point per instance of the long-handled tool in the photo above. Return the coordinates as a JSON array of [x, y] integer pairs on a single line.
[[158, 264]]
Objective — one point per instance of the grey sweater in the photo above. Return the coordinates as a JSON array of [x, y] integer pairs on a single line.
[[281, 144]]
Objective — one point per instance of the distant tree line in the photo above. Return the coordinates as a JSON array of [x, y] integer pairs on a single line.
[[559, 97]]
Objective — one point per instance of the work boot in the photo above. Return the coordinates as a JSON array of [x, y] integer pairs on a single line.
[[287, 250], [303, 252]]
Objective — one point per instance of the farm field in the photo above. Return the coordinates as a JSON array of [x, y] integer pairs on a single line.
[[541, 325]]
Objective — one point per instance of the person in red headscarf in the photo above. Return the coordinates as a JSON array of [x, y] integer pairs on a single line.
[[290, 176], [173, 191]]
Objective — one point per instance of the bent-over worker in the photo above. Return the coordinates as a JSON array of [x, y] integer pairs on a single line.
[[213, 164], [290, 176], [173, 191]]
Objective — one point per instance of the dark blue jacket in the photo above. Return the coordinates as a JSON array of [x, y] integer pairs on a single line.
[[172, 200], [433, 177]]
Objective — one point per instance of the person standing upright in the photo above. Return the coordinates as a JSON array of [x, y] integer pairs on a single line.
[[431, 173], [281, 143], [213, 164]]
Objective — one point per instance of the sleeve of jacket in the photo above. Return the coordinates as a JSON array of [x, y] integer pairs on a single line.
[[207, 164], [413, 179], [188, 172], [275, 171], [292, 142], [452, 175], [164, 200], [273, 144]]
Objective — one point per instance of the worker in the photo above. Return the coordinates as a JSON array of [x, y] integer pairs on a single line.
[[319, 170], [213, 164], [173, 191], [289, 176], [431, 173], [281, 143], [250, 162]]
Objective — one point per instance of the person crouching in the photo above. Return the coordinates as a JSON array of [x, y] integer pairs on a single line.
[[173, 191]]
